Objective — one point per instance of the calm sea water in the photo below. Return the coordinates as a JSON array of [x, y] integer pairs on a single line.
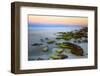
[[35, 36]]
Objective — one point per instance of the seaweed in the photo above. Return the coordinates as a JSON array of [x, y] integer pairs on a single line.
[[50, 41]]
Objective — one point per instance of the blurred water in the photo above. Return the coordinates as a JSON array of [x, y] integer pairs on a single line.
[[34, 36]]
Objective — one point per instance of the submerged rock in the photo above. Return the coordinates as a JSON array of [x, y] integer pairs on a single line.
[[62, 56], [77, 52], [41, 40], [47, 38], [75, 41], [58, 56], [85, 40], [40, 58], [54, 56], [37, 44], [59, 50], [79, 41], [50, 41], [58, 38], [75, 49], [45, 49]]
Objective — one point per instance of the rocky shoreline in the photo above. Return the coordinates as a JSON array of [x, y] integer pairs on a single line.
[[78, 36]]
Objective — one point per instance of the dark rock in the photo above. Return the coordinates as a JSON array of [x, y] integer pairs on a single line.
[[40, 59], [37, 44], [54, 56], [75, 49], [85, 40], [79, 41], [41, 40], [62, 56], [47, 38], [45, 49]]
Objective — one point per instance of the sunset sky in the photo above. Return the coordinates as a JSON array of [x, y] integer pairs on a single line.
[[56, 21]]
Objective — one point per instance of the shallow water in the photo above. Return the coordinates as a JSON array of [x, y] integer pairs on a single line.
[[34, 36]]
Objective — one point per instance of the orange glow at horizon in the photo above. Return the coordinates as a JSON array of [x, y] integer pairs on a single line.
[[58, 20]]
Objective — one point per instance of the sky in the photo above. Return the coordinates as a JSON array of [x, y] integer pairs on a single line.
[[35, 21]]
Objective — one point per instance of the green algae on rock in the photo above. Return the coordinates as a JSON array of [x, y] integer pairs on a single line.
[[75, 49], [50, 41], [54, 56], [58, 56], [59, 51], [45, 49], [62, 56]]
